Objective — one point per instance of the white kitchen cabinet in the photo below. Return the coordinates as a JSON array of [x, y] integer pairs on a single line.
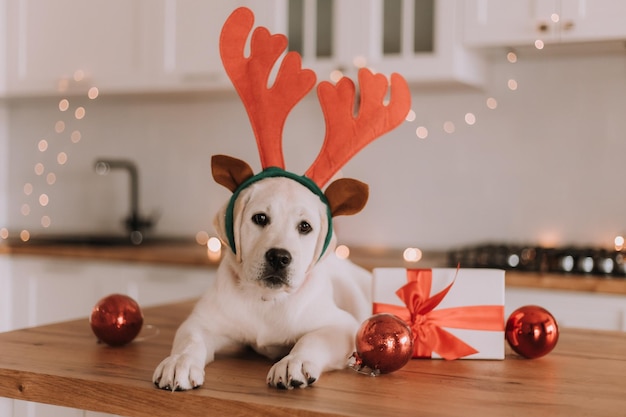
[[421, 39], [67, 45], [522, 22], [185, 40], [38, 291], [573, 309], [46, 290], [131, 46]]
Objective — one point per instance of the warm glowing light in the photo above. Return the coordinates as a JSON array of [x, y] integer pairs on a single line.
[[470, 118], [4, 233], [79, 75], [512, 84], [555, 17], [214, 244], [39, 168], [25, 235], [28, 188], [336, 75], [75, 136], [492, 103], [214, 249], [79, 113], [25, 210], [342, 252], [449, 127], [93, 93], [42, 145], [549, 239], [46, 221], [62, 158], [410, 117], [202, 238], [539, 44], [619, 243], [59, 126], [359, 61], [63, 85], [421, 132], [412, 255], [64, 104], [51, 178], [511, 57], [44, 200]]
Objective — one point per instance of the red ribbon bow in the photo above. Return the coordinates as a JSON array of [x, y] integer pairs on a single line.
[[427, 323]]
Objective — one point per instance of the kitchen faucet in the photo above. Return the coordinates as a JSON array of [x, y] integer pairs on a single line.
[[134, 223]]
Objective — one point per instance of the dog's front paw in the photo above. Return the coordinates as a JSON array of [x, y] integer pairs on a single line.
[[179, 373], [292, 372]]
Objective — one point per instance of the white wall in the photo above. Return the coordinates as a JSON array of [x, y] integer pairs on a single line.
[[546, 166]]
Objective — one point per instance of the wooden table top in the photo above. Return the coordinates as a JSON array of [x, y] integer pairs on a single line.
[[63, 364]]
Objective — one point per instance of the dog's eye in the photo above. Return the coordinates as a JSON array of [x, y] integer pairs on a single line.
[[261, 219], [304, 228]]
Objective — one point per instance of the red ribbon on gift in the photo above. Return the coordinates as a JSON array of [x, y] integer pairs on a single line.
[[426, 323]]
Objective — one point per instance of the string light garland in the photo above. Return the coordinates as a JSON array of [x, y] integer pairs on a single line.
[[37, 191]]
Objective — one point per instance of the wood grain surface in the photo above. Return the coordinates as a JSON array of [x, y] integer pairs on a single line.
[[63, 364]]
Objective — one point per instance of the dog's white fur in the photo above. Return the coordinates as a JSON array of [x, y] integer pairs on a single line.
[[310, 313]]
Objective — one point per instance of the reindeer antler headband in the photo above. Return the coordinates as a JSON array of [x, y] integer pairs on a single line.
[[268, 108]]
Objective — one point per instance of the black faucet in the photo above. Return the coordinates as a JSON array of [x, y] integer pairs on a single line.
[[135, 224]]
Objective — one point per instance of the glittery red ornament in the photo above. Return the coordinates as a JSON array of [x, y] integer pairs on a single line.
[[384, 343], [532, 331], [116, 319]]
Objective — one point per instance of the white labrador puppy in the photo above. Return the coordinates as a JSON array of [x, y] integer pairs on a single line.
[[275, 294]]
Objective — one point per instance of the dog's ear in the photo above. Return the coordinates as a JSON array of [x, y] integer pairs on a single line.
[[230, 172], [346, 196]]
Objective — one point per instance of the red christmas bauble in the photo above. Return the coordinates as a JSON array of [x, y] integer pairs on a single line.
[[384, 343], [532, 331], [116, 319]]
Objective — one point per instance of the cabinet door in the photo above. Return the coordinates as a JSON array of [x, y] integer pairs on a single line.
[[509, 23], [184, 46], [61, 44], [597, 20], [421, 40], [573, 309]]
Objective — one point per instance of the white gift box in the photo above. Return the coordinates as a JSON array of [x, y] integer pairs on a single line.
[[473, 288]]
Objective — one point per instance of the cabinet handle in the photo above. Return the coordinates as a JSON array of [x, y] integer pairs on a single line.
[[569, 25], [543, 27]]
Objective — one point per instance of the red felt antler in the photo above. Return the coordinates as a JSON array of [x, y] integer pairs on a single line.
[[346, 134], [267, 107]]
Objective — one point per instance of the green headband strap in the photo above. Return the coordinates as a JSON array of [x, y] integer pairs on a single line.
[[270, 173]]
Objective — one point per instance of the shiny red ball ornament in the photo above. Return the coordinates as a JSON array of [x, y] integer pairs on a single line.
[[384, 343], [116, 320], [532, 331]]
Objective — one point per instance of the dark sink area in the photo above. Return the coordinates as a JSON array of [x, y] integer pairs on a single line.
[[99, 240]]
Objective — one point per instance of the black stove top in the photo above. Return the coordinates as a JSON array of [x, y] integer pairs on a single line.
[[566, 260]]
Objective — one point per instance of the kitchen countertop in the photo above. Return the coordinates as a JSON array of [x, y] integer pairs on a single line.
[[63, 364], [192, 254]]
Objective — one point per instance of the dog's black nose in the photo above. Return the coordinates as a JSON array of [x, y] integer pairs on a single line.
[[278, 258]]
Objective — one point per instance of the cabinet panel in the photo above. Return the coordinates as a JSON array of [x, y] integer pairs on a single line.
[[510, 23], [592, 20], [517, 23], [573, 309], [48, 42]]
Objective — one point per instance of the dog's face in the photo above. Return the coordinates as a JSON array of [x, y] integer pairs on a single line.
[[279, 229]]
